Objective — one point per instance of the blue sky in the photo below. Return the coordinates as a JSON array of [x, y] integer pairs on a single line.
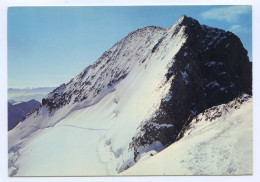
[[47, 46]]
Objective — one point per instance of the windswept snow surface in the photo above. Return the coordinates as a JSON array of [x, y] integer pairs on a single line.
[[92, 137], [220, 146]]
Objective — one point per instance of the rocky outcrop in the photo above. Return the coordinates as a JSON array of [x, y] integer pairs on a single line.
[[215, 112], [137, 98], [210, 69]]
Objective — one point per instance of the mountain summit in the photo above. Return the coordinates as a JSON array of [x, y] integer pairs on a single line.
[[132, 103]]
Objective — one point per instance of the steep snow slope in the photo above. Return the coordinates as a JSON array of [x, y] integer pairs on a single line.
[[217, 142], [49, 143], [133, 100]]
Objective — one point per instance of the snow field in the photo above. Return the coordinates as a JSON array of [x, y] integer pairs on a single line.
[[92, 137], [223, 146]]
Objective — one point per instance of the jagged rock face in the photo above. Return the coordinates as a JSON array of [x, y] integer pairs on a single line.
[[211, 68], [138, 96], [215, 112], [218, 141]]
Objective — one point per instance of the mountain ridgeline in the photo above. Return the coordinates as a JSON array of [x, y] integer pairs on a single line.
[[147, 88], [212, 64], [211, 68]]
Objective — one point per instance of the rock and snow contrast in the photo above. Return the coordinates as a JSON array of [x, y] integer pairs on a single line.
[[154, 95], [218, 141]]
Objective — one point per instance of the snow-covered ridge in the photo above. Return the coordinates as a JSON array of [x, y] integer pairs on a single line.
[[134, 100], [99, 79], [118, 91], [196, 86], [216, 112], [217, 142]]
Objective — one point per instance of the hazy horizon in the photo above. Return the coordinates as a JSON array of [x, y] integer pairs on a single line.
[[23, 88]]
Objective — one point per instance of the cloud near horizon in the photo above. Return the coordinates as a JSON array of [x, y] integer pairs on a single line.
[[229, 14], [238, 29]]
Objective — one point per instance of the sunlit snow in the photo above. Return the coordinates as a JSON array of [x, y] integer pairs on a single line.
[[222, 146]]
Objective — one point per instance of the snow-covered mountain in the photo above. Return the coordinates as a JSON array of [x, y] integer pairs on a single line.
[[136, 99]]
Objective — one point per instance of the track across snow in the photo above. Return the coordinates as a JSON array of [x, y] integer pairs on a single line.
[[82, 127], [86, 127]]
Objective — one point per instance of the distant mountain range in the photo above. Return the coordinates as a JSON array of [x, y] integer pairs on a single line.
[[27, 94], [22, 101], [17, 112]]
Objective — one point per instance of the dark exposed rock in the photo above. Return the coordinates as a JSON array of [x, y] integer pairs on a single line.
[[211, 68], [215, 112]]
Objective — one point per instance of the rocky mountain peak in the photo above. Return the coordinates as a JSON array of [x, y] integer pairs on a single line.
[[211, 68], [186, 21], [153, 82]]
